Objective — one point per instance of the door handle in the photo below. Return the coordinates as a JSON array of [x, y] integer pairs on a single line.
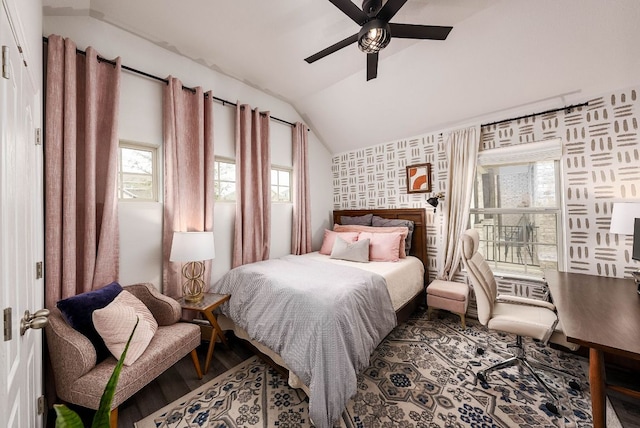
[[38, 319]]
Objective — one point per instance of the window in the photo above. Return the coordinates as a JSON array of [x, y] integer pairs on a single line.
[[280, 184], [225, 179], [516, 209], [137, 172]]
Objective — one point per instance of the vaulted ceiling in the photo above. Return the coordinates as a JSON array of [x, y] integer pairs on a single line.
[[502, 56]]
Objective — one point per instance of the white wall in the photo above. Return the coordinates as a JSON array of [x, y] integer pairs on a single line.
[[141, 121]]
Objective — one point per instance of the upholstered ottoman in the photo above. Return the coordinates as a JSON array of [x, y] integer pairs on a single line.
[[450, 296]]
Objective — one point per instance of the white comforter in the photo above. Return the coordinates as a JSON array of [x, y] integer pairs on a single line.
[[405, 278]]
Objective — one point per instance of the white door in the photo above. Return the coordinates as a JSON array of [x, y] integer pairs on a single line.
[[21, 227]]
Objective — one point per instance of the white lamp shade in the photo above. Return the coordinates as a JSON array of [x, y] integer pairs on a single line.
[[192, 247], [622, 217]]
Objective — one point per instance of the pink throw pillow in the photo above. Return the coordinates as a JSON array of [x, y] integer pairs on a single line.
[[115, 323], [395, 229], [330, 238], [384, 247]]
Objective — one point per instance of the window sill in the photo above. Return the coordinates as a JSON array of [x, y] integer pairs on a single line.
[[519, 277], [515, 276]]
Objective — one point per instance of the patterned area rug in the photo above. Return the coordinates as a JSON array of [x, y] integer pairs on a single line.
[[421, 376]]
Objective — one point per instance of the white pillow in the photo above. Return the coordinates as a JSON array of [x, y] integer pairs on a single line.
[[354, 252], [115, 322]]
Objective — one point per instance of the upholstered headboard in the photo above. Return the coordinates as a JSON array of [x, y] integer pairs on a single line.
[[416, 215]]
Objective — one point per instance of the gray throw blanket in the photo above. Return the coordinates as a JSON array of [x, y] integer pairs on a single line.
[[324, 320]]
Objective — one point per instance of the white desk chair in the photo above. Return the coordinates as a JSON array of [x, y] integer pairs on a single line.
[[510, 314]]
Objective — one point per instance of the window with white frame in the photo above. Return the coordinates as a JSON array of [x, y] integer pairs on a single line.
[[137, 172], [225, 179], [280, 184], [517, 208]]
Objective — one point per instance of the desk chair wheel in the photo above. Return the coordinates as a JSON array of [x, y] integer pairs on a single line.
[[481, 377], [480, 351], [575, 385], [552, 408]]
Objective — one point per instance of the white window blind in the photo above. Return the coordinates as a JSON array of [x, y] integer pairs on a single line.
[[531, 152]]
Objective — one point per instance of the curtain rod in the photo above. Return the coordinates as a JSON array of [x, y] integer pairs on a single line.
[[537, 114], [151, 76]]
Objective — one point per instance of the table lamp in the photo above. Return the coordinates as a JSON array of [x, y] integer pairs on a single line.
[[625, 221], [192, 248]]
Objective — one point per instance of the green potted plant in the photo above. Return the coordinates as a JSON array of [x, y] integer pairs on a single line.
[[67, 418]]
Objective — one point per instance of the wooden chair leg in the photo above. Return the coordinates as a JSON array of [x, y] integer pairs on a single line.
[[464, 325], [113, 418], [429, 313], [196, 363]]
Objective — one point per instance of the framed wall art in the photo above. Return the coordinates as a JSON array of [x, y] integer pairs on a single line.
[[419, 178]]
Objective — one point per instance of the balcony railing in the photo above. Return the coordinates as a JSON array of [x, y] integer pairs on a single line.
[[510, 244]]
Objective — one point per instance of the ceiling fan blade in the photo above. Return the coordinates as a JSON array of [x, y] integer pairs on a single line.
[[351, 10], [389, 10], [372, 66], [333, 48], [411, 31]]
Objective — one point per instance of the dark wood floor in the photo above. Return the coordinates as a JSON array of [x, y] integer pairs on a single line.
[[181, 378], [627, 408]]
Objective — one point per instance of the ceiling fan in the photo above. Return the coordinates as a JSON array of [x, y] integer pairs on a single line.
[[376, 31]]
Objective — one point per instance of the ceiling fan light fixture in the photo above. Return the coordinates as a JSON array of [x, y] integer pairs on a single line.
[[374, 36]]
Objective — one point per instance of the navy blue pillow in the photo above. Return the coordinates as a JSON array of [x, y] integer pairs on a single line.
[[78, 311]]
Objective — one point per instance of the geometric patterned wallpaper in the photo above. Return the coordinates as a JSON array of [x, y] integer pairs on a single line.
[[375, 177], [601, 164]]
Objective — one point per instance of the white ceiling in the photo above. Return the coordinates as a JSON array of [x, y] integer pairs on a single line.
[[501, 56]]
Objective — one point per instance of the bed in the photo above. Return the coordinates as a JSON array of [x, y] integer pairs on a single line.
[[330, 332]]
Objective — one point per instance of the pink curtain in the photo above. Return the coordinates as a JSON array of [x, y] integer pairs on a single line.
[[81, 149], [188, 173], [253, 187], [301, 228]]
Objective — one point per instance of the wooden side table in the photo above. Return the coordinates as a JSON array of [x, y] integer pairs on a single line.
[[206, 306]]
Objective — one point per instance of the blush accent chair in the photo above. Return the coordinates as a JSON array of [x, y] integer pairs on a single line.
[[511, 314], [80, 381]]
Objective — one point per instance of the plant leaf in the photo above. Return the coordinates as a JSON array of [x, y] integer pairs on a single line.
[[67, 418], [102, 416]]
